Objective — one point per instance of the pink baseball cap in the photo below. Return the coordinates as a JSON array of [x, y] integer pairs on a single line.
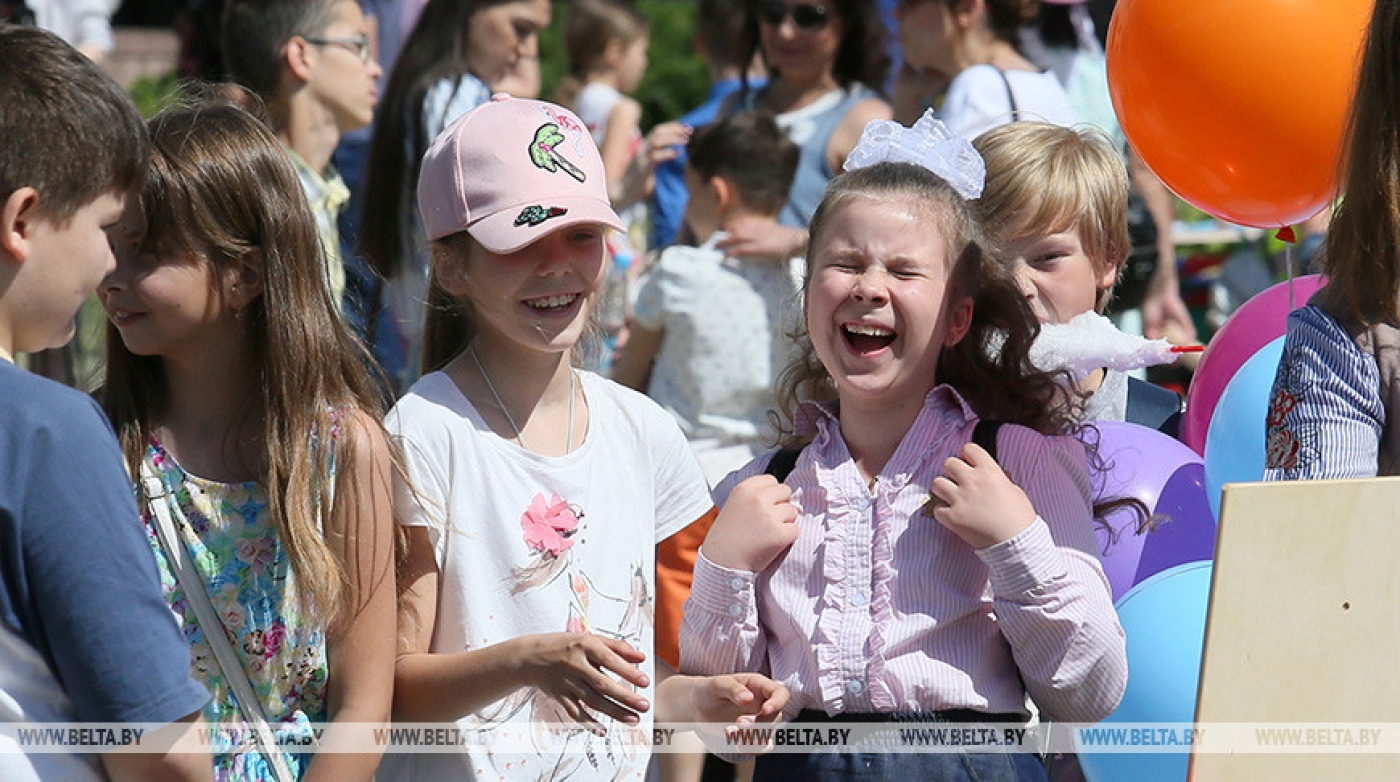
[[509, 172]]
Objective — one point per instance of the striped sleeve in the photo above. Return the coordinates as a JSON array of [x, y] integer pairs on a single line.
[[1325, 416], [1050, 594]]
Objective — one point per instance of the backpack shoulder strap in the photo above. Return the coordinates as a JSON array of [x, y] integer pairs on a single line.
[[782, 463], [985, 435], [1151, 405]]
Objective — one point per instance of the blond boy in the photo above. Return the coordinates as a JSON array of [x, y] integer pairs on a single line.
[[1056, 204]]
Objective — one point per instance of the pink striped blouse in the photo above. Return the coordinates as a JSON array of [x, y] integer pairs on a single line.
[[877, 608]]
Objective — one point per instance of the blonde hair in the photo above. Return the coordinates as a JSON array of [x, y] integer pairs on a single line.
[[1044, 178]]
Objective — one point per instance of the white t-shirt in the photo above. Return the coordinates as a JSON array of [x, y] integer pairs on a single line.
[[631, 484], [977, 100], [726, 323], [594, 104]]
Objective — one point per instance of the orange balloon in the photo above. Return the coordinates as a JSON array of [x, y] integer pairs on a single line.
[[1239, 106]]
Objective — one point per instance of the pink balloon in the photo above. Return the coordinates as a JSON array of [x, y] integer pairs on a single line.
[[1255, 324]]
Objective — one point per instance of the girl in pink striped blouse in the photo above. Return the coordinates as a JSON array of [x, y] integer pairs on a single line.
[[899, 573]]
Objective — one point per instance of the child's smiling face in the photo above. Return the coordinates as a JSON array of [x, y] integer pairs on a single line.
[[878, 307], [537, 298]]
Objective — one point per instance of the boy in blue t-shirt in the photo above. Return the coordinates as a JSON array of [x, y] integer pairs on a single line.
[[84, 632]]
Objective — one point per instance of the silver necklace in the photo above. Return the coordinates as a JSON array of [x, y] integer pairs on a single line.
[[519, 437]]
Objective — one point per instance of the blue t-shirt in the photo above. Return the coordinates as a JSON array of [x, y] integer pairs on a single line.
[[77, 578]]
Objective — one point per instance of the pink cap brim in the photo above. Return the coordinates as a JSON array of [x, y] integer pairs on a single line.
[[501, 234]]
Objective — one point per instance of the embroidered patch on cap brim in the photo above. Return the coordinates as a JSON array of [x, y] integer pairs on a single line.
[[534, 215]]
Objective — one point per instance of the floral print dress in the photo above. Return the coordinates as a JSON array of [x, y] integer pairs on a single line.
[[229, 533]]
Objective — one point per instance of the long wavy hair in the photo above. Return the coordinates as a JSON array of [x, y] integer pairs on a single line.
[[221, 185], [1361, 252]]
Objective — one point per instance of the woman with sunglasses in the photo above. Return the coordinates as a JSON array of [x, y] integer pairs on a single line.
[[826, 60], [961, 58]]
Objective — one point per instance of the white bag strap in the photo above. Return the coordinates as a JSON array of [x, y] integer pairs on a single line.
[[157, 499]]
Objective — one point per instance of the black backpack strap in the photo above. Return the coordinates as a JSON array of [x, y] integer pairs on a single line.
[[782, 463], [985, 435], [1153, 406]]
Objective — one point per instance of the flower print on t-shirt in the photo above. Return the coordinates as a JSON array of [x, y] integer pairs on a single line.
[[548, 524]]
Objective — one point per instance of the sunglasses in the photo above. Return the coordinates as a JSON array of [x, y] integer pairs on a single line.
[[806, 16], [357, 45]]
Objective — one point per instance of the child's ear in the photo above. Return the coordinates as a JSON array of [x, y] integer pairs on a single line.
[[612, 53], [447, 273], [959, 320], [245, 280], [1108, 276], [968, 11], [726, 196], [17, 217], [1104, 284]]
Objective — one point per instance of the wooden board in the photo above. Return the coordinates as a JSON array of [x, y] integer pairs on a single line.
[[1304, 622]]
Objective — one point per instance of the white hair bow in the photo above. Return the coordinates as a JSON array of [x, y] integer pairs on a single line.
[[928, 143]]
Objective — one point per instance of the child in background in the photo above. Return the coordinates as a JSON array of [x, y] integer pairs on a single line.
[[696, 342], [457, 54], [708, 335], [720, 27], [605, 42], [838, 584], [1056, 203], [539, 491], [84, 634], [234, 383]]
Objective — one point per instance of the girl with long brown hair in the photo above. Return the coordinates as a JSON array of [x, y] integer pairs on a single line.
[[238, 391]]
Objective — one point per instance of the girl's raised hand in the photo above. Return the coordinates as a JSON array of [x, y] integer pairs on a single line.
[[754, 236], [663, 143], [977, 500], [570, 667], [754, 527]]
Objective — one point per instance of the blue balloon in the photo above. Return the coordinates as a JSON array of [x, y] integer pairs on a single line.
[[1164, 618], [1235, 441]]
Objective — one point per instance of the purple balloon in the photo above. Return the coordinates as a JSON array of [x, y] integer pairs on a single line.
[[1187, 530], [1139, 462]]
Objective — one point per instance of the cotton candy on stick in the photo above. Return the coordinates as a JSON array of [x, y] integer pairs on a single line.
[[1090, 341]]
